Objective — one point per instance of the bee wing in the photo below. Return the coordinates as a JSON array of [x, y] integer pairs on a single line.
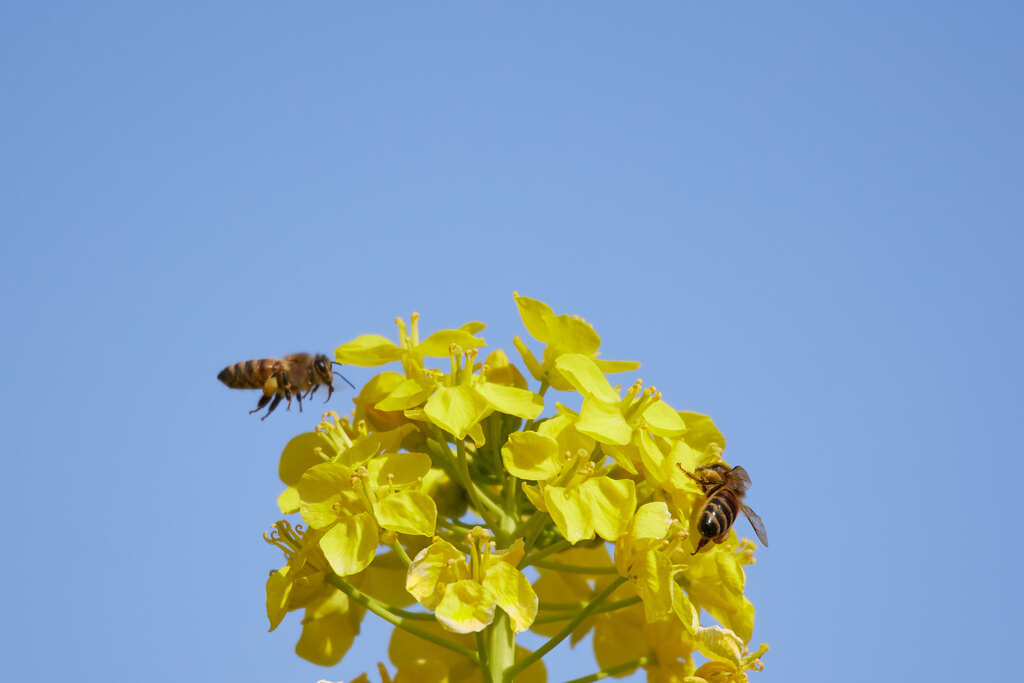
[[758, 525], [740, 476]]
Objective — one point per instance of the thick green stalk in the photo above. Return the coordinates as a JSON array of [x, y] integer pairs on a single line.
[[501, 647]]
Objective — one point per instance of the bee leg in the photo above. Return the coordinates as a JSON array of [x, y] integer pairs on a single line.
[[264, 400], [330, 390], [312, 391], [298, 397], [277, 399]]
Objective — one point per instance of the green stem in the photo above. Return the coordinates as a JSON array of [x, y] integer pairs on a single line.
[[396, 545], [415, 616], [511, 673], [481, 647], [387, 615], [531, 529], [501, 647], [484, 505], [560, 606], [556, 547], [614, 670], [610, 607], [573, 568]]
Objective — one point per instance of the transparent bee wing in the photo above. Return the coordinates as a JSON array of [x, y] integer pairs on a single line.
[[740, 476], [758, 525]]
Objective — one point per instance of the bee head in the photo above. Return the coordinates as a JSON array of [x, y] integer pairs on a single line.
[[322, 369]]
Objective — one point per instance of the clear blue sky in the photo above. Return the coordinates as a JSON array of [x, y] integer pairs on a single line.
[[805, 222]]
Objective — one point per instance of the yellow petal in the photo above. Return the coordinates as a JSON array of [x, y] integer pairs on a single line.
[[560, 427], [664, 421], [510, 400], [328, 629], [701, 431], [688, 614], [367, 351], [300, 454], [438, 345], [289, 501], [350, 544], [586, 378], [611, 504], [399, 469], [532, 456], [535, 496], [535, 315], [409, 394], [501, 371], [512, 592], [279, 586], [456, 409], [653, 459], [604, 423], [408, 512], [720, 644], [529, 360], [569, 512], [432, 570], [465, 608], [473, 326], [610, 367], [325, 641], [651, 521]]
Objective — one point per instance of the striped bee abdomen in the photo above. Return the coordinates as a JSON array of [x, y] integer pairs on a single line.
[[250, 374], [718, 515]]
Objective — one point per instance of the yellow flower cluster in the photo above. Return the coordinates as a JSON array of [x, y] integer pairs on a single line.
[[447, 505]]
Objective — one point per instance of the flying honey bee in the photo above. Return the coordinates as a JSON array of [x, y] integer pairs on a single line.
[[724, 489], [282, 378]]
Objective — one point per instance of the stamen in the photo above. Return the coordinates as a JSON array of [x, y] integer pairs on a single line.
[[403, 334], [415, 320]]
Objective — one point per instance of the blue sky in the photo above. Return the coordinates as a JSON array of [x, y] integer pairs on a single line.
[[804, 221]]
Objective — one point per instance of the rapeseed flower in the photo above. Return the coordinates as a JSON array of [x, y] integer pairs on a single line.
[[450, 505]]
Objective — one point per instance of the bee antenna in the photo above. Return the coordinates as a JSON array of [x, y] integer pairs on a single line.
[[343, 376]]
